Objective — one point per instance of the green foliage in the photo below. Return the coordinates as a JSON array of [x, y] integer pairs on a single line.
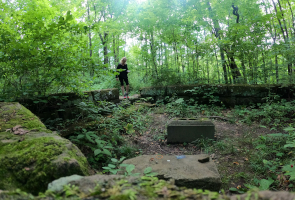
[[43, 53], [271, 114], [208, 94], [115, 165]]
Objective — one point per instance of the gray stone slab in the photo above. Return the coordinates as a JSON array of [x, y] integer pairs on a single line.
[[189, 130], [87, 184], [188, 172]]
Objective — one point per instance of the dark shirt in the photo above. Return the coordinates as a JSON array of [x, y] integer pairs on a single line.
[[123, 74]]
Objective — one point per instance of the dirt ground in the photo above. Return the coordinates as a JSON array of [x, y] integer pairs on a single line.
[[229, 151]]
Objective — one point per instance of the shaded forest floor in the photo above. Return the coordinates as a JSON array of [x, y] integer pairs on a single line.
[[248, 148], [230, 151]]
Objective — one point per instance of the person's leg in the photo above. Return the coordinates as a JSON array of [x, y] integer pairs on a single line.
[[127, 85], [122, 88], [127, 88], [122, 85]]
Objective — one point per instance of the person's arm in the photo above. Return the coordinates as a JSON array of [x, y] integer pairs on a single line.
[[127, 69]]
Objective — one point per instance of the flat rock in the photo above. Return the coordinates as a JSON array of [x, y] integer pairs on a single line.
[[188, 172]]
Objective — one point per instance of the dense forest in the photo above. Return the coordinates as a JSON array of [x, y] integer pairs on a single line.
[[234, 59], [54, 46]]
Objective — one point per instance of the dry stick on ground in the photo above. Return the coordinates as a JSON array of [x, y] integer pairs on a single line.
[[163, 150], [218, 117]]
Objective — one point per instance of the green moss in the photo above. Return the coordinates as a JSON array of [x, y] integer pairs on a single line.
[[12, 114], [29, 162], [83, 163], [67, 159], [38, 158]]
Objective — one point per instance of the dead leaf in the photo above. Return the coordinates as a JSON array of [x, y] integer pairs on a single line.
[[165, 192], [239, 186], [27, 169], [203, 111], [137, 152], [8, 130], [236, 163], [19, 131], [16, 127], [246, 159]]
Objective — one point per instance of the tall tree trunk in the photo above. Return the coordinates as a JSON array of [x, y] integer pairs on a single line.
[[146, 60], [194, 62], [293, 19], [153, 52], [114, 50], [277, 68], [104, 39], [89, 27], [208, 72], [284, 33], [234, 68], [217, 35], [118, 49], [177, 60], [90, 42], [217, 66], [265, 71]]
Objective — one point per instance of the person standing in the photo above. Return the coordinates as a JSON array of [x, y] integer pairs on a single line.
[[123, 76]]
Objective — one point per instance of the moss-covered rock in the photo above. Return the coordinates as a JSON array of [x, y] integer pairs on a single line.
[[32, 160], [125, 188]]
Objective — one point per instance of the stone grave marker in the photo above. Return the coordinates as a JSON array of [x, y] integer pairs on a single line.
[[189, 129]]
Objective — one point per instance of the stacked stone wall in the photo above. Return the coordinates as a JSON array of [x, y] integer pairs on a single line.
[[64, 105], [230, 95]]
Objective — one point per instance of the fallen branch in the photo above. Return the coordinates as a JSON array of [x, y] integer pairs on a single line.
[[218, 117]]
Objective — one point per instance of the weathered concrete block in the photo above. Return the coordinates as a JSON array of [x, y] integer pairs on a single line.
[[188, 130], [187, 172]]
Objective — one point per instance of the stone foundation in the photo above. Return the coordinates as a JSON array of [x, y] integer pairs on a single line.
[[230, 95], [64, 105]]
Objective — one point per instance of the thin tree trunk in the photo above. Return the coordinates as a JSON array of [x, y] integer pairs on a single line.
[[264, 69], [208, 72], [217, 67], [293, 19], [153, 52], [114, 50], [105, 47], [118, 49]]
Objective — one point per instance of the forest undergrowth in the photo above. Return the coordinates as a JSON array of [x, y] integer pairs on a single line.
[[254, 144]]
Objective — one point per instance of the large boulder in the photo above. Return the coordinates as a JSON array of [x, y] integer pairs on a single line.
[[190, 171], [31, 155]]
